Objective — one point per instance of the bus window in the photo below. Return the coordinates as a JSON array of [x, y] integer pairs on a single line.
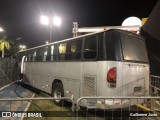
[[34, 56], [29, 58], [75, 49], [45, 53], [68, 52], [48, 55], [90, 47], [62, 48], [29, 55], [133, 48], [39, 54], [53, 52], [52, 49], [113, 46], [100, 46], [62, 51]]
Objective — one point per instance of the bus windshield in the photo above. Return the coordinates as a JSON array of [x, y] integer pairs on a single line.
[[133, 48]]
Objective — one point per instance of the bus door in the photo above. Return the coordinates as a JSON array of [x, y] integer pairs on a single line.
[[26, 75]]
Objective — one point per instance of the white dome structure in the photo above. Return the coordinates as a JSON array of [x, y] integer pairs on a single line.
[[132, 21]]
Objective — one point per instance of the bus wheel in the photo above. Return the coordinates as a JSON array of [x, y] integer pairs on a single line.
[[58, 92]]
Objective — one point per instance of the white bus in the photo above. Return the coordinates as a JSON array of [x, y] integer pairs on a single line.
[[111, 63]]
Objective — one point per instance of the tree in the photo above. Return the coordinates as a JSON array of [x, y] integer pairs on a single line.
[[4, 45]]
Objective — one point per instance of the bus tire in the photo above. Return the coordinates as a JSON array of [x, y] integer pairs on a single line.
[[58, 92]]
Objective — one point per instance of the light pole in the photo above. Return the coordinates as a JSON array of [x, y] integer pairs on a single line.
[[49, 21]]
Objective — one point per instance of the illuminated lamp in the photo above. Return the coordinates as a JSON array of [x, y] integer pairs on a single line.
[[132, 21]]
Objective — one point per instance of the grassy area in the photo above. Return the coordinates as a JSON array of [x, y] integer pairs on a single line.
[[51, 108]]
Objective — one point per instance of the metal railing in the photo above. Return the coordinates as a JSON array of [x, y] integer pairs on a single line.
[[96, 108], [119, 108], [8, 71], [154, 85]]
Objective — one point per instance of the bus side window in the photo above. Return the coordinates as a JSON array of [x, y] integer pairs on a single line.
[[53, 55], [45, 53], [75, 49], [90, 47], [39, 54], [68, 52], [101, 46], [26, 56], [34, 56], [29, 56], [48, 56], [113, 46], [62, 51], [26, 59]]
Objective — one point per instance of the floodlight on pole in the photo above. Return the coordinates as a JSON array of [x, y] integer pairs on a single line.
[[48, 21], [44, 20], [57, 21], [22, 47]]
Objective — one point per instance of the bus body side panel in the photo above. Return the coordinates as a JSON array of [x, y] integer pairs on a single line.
[[132, 79], [135, 79], [129, 77], [42, 74], [70, 73]]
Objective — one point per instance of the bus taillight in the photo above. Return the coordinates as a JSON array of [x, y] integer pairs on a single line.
[[111, 77]]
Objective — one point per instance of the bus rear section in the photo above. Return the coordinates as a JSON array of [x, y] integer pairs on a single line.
[[126, 69]]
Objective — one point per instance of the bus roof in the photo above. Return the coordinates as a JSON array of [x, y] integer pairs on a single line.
[[100, 29], [68, 39]]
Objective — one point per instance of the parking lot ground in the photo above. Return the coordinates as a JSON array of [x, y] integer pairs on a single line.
[[14, 90]]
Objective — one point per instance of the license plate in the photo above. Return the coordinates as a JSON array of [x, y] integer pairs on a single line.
[[139, 88]]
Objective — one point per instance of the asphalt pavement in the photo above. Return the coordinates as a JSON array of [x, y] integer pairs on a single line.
[[15, 90]]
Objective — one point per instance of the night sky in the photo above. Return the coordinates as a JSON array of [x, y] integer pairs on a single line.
[[21, 18]]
